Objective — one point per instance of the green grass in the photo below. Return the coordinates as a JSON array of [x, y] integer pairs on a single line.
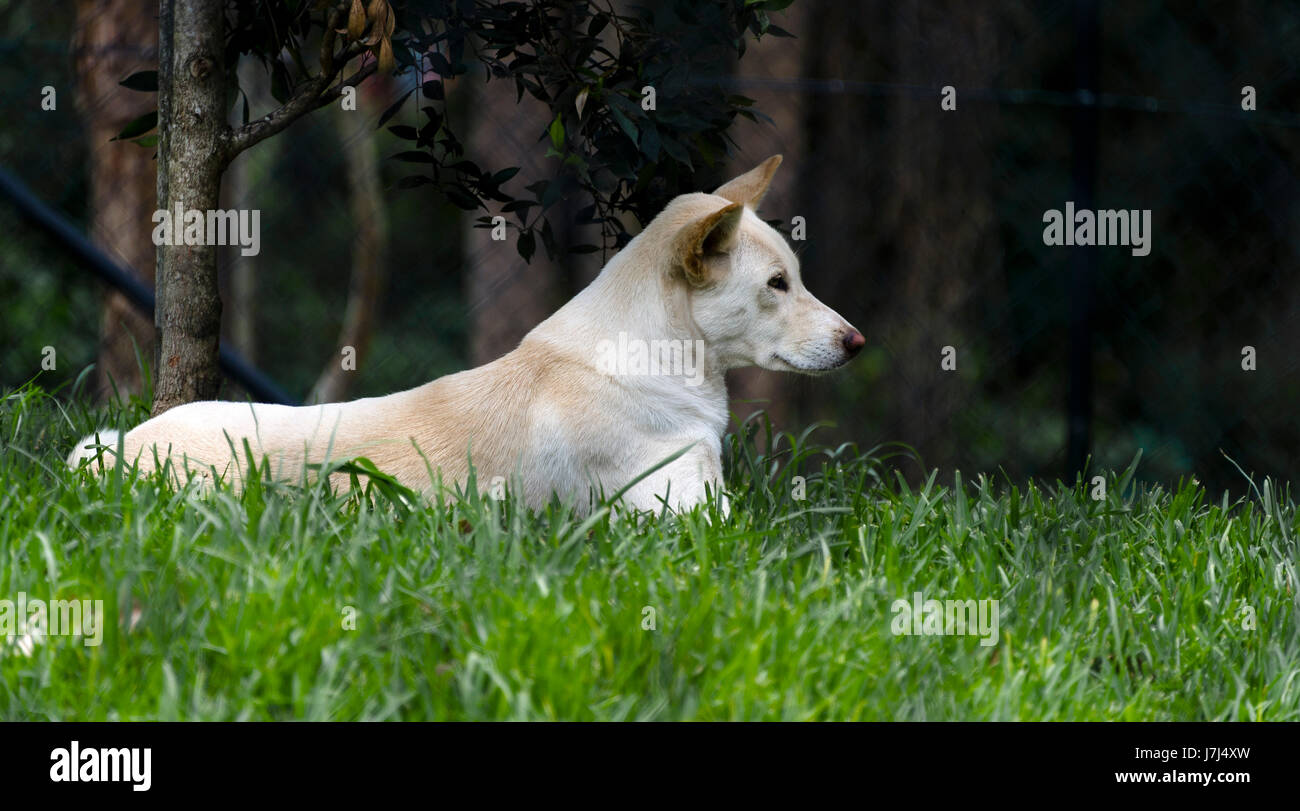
[[1132, 607]]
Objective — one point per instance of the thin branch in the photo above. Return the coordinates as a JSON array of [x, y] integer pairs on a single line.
[[364, 72], [332, 22], [309, 96]]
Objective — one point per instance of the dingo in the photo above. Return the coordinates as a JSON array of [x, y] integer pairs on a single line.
[[556, 416]]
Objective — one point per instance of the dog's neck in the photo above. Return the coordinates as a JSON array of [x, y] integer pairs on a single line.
[[636, 296]]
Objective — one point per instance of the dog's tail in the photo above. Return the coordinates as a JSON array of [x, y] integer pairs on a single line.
[[90, 447]]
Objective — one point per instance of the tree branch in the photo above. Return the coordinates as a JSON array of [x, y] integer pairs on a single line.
[[310, 95]]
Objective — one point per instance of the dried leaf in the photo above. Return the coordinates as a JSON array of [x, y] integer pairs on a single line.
[[379, 22], [356, 20], [386, 60]]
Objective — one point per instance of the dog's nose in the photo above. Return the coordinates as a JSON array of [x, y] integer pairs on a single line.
[[853, 342]]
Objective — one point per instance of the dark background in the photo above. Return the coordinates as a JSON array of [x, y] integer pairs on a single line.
[[924, 227]]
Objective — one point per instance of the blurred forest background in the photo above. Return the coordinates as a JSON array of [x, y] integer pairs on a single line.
[[924, 226]]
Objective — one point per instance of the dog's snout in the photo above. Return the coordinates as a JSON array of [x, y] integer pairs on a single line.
[[853, 342]]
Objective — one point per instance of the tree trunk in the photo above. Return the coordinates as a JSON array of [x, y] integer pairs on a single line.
[[114, 39], [192, 115]]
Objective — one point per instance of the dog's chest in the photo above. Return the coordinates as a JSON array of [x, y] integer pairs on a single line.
[[611, 445]]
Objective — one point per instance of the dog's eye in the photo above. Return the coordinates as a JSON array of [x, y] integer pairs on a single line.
[[777, 282]]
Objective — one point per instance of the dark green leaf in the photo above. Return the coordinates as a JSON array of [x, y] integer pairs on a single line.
[[526, 246], [139, 126], [556, 131], [393, 108], [462, 198], [504, 175], [625, 123], [411, 181], [146, 81], [413, 157]]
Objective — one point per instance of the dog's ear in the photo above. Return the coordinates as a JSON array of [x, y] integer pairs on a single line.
[[708, 236], [748, 189]]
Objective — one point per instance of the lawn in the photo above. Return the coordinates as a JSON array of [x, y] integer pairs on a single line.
[[293, 602]]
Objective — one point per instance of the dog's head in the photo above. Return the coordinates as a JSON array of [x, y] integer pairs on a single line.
[[747, 295]]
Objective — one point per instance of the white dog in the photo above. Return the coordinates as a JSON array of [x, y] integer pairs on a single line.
[[622, 377]]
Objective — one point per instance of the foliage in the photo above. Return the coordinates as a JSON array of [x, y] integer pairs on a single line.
[[637, 116]]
